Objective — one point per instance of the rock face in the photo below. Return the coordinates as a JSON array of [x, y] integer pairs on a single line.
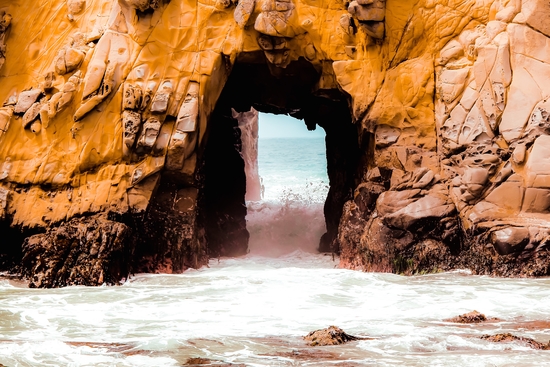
[[82, 251], [436, 114], [248, 125], [476, 199]]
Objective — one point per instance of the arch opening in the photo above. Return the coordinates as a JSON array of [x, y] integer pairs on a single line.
[[292, 176], [295, 91]]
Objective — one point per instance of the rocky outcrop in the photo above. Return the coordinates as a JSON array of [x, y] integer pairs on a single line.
[[483, 206], [521, 340], [332, 335], [435, 112], [408, 228], [473, 317], [83, 251]]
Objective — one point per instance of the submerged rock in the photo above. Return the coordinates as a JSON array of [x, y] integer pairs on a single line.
[[307, 355], [208, 362], [332, 335], [473, 317], [507, 337]]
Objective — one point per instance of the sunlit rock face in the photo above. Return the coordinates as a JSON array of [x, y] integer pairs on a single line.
[[470, 191], [435, 112]]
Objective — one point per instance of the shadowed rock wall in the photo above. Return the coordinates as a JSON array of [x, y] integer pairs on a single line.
[[225, 187]]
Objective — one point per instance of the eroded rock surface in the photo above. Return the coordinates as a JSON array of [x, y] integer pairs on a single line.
[[473, 317], [524, 341], [332, 335], [487, 210], [436, 114], [83, 251]]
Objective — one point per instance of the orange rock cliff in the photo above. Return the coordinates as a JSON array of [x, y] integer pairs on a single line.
[[117, 131]]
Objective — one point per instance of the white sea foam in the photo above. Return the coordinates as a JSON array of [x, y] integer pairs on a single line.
[[240, 310], [295, 221]]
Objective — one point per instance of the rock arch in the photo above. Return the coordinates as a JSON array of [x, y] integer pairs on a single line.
[[292, 90], [107, 109]]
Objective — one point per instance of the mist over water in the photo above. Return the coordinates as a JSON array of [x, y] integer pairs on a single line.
[[290, 216], [254, 310]]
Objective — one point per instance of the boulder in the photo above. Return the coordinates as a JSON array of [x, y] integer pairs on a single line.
[[522, 340], [332, 335], [473, 317]]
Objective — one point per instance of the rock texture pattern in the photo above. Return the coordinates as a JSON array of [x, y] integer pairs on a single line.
[[473, 317], [436, 113], [470, 194], [521, 340], [332, 335], [83, 251]]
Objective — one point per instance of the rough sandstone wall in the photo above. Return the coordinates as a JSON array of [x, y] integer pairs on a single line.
[[461, 140], [106, 108]]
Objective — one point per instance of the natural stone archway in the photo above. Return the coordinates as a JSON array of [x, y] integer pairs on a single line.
[[253, 84], [107, 107]]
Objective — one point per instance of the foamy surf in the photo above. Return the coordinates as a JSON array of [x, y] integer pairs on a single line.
[[254, 310]]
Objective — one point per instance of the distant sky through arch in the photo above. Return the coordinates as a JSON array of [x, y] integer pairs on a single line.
[[283, 126]]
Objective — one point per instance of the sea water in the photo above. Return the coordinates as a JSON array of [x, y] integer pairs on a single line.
[[294, 187], [254, 310]]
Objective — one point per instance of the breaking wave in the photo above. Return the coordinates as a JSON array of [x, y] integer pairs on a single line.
[[292, 221]]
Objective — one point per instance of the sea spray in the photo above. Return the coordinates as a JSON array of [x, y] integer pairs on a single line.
[[294, 221], [295, 185]]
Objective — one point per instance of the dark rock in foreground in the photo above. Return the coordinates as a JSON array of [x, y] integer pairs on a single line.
[[209, 362], [507, 337], [83, 251], [330, 336], [473, 317], [413, 223]]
